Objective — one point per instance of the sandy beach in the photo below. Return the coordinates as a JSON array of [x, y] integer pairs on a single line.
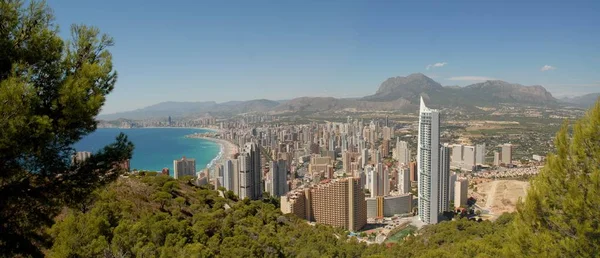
[[227, 151]]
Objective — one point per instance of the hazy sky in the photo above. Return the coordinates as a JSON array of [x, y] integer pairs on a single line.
[[240, 50]]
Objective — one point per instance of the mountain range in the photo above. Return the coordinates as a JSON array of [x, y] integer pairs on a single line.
[[584, 101], [396, 93]]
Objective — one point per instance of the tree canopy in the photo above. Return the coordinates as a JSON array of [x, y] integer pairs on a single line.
[[50, 92]]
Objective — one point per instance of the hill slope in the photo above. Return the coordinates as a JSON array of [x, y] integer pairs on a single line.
[[181, 109], [409, 88], [585, 101]]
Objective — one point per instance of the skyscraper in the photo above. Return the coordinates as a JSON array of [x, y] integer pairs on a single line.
[[460, 193], [480, 153], [228, 174], [444, 183], [469, 156], [277, 181], [433, 196], [497, 158], [506, 157], [364, 155], [250, 174], [184, 167], [403, 179], [346, 159], [414, 172], [402, 152]]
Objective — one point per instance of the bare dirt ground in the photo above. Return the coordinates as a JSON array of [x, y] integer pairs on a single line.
[[499, 196]]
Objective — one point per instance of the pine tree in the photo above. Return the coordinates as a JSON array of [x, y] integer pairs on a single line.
[[561, 213], [50, 92]]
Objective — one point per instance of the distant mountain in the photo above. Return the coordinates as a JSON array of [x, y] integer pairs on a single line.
[[163, 109], [408, 88], [394, 94], [585, 101], [503, 92], [181, 109], [321, 104], [490, 92]]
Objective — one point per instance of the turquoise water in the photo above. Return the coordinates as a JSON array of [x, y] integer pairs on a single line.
[[156, 148]]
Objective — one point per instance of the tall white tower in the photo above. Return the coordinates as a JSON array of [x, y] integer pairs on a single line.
[[433, 194]]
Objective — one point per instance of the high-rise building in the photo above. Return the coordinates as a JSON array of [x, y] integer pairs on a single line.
[[506, 157], [81, 156], [364, 157], [463, 157], [403, 180], [468, 161], [385, 148], [402, 152], [377, 157], [346, 159], [497, 158], [444, 183], [184, 167], [453, 177], [276, 183], [433, 167], [457, 155], [228, 174], [250, 178], [414, 172], [387, 133], [480, 153], [340, 203], [460, 193]]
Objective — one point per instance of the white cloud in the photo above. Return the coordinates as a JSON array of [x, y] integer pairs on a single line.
[[547, 68], [442, 64], [471, 78]]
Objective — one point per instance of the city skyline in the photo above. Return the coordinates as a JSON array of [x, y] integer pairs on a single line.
[[217, 52]]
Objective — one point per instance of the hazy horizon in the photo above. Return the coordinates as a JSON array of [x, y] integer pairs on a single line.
[[193, 51]]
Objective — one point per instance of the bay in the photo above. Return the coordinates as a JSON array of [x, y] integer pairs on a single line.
[[155, 148]]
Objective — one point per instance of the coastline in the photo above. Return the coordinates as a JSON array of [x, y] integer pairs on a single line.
[[227, 150], [214, 130]]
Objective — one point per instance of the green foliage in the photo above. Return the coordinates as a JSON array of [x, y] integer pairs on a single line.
[[559, 217], [51, 91], [199, 226]]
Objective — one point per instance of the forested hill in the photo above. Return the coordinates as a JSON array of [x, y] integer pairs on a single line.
[[157, 216]]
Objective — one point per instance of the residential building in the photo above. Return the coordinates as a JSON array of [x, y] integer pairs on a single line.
[[403, 180], [461, 188], [276, 183], [402, 152], [414, 172], [339, 203], [250, 174], [184, 167], [497, 158], [480, 153], [506, 157], [228, 174]]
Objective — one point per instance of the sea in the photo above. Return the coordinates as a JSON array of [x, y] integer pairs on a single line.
[[156, 148]]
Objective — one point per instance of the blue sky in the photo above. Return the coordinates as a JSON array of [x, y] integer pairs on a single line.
[[241, 50]]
